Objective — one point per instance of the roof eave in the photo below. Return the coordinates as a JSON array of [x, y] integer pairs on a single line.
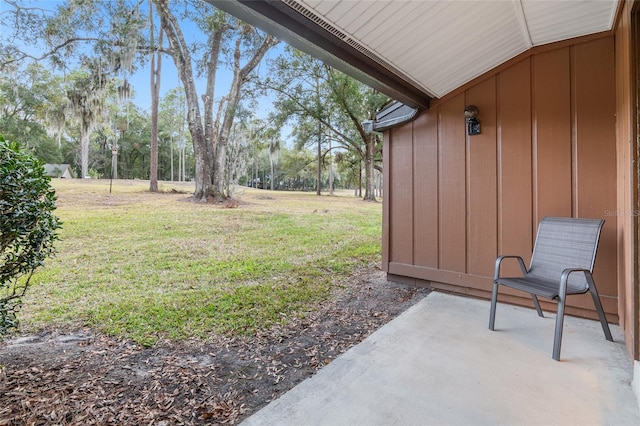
[[281, 21]]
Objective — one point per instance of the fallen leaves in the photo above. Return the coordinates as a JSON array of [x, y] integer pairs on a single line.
[[90, 379]]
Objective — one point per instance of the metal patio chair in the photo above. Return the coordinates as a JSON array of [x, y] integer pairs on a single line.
[[561, 264]]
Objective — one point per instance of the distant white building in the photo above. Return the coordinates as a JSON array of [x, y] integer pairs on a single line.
[[59, 171]]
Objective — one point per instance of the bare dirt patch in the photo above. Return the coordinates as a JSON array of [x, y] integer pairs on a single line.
[[85, 378]]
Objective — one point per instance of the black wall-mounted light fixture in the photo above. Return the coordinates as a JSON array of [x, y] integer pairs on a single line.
[[473, 124]]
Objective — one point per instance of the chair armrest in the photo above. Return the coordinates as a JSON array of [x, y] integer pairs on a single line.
[[564, 278], [496, 271]]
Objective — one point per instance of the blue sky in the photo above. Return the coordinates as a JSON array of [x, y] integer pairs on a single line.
[[169, 79]]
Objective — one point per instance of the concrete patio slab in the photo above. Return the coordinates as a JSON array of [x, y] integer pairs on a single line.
[[438, 364]]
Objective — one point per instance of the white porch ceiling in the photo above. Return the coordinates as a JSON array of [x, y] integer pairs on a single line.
[[439, 45]]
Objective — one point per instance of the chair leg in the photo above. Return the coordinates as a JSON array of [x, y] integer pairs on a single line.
[[598, 305], [557, 338], [494, 300], [537, 305]]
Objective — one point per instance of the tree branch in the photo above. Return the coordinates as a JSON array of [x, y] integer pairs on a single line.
[[51, 52]]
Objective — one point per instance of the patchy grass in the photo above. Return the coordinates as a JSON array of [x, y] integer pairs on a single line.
[[148, 266]]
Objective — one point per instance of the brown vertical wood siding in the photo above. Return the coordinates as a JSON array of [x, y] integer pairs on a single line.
[[515, 202], [482, 183], [547, 148], [451, 187], [627, 184], [425, 190], [401, 194]]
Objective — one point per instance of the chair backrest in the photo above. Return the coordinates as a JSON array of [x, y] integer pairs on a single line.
[[564, 243]]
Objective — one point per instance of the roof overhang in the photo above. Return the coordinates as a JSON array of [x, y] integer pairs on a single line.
[[415, 51], [284, 22]]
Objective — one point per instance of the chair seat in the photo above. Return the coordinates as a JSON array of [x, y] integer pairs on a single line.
[[537, 286]]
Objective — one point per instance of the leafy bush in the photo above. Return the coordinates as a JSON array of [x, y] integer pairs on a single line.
[[28, 227]]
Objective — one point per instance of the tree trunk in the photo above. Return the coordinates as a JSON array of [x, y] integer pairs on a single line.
[[219, 185], [156, 68], [211, 125], [319, 171], [182, 60], [359, 178], [330, 169], [209, 152], [114, 163], [239, 78], [84, 153], [368, 168], [273, 168]]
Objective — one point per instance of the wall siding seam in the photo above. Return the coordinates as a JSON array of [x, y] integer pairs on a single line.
[[438, 192], [499, 197], [437, 133], [575, 193], [467, 192], [534, 151], [413, 192], [532, 158], [387, 203]]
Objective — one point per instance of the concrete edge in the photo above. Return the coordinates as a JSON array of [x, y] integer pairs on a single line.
[[635, 384]]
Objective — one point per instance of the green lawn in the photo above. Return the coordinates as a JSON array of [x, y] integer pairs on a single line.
[[148, 266]]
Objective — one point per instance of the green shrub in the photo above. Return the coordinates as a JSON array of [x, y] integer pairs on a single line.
[[28, 227]]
